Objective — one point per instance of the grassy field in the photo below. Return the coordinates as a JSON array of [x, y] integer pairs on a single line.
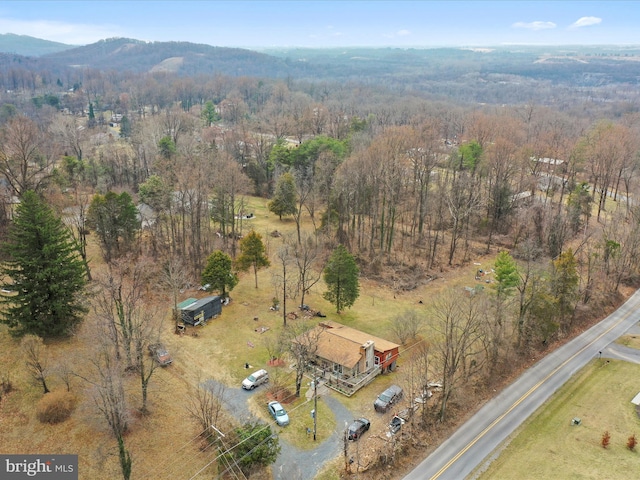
[[549, 446], [631, 341], [165, 444]]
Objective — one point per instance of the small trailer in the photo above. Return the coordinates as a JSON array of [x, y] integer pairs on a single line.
[[196, 312]]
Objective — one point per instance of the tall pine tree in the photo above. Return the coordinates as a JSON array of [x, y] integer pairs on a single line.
[[341, 277], [114, 218], [252, 254], [218, 274], [44, 270], [284, 199]]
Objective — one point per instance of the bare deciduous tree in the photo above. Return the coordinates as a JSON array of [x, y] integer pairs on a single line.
[[65, 371], [26, 161], [285, 279], [35, 354], [307, 254], [274, 346], [120, 301], [302, 343], [145, 331], [406, 325], [204, 404], [108, 394], [457, 330], [175, 277]]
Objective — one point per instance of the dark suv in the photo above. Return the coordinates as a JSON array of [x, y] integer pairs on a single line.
[[357, 428], [387, 398]]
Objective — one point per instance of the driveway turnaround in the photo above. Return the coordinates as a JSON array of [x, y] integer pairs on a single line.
[[292, 463], [295, 464], [474, 441]]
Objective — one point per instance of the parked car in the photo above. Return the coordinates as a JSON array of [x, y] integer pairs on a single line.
[[387, 398], [396, 424], [357, 428], [160, 353], [278, 413], [255, 379]]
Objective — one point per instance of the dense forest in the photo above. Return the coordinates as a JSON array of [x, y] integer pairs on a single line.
[[415, 161]]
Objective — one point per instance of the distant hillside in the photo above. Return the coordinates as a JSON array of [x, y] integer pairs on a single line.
[[29, 46], [496, 75], [125, 54]]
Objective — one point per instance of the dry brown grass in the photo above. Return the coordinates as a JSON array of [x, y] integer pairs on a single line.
[[165, 443]]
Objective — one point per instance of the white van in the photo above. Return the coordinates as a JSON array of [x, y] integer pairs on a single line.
[[255, 379]]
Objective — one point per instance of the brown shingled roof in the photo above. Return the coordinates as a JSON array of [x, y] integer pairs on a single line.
[[338, 349], [358, 337]]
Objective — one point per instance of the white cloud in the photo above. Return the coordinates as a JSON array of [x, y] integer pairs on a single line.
[[73, 34], [403, 33], [585, 22], [537, 25]]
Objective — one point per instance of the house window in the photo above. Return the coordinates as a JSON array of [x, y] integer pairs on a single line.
[[389, 355], [337, 369], [376, 361]]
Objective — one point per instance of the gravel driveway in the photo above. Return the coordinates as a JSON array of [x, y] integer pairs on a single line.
[[295, 464], [292, 463]]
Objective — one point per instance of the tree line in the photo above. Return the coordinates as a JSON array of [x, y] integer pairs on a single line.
[[396, 188]]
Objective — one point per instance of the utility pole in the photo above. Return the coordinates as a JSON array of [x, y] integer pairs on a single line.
[[315, 406]]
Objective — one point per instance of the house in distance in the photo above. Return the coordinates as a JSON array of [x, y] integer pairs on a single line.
[[194, 311]]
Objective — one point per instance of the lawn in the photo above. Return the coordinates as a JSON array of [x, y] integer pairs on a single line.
[[549, 446], [631, 341], [165, 444]]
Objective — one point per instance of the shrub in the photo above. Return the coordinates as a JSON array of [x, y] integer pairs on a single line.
[[606, 439], [55, 407], [632, 441]]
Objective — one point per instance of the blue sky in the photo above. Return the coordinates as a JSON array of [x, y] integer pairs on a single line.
[[327, 23]]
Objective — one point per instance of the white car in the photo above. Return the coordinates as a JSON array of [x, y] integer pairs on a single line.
[[278, 413], [255, 379]]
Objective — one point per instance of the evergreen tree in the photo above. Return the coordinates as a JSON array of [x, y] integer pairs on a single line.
[[579, 206], [125, 127], [470, 154], [341, 277], [114, 218], [284, 198], [167, 147], [92, 117], [217, 273], [506, 274], [564, 286], [252, 254], [209, 114], [256, 447], [45, 271]]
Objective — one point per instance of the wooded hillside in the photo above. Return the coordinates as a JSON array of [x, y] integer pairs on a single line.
[[154, 171]]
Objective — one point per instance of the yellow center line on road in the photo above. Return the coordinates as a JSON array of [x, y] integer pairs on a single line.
[[524, 396]]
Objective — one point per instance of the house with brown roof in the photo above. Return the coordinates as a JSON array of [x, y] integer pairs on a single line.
[[348, 359]]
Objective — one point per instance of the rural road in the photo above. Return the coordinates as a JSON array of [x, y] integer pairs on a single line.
[[475, 440]]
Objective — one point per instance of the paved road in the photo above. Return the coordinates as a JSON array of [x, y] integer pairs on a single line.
[[474, 441]]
